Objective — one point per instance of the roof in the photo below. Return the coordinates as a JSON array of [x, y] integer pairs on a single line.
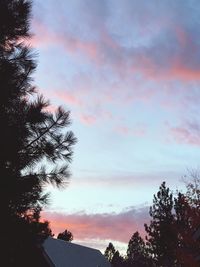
[[67, 254]]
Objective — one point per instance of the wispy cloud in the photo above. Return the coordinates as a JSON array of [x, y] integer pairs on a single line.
[[188, 133], [113, 226], [124, 61], [170, 52], [88, 119], [135, 180]]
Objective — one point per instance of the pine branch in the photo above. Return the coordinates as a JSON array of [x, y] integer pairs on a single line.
[[42, 134]]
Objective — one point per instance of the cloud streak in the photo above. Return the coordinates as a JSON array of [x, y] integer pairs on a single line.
[[189, 133], [113, 226], [170, 54], [124, 53]]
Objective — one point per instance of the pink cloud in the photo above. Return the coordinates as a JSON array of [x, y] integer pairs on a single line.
[[176, 71], [87, 113], [184, 73], [114, 226], [187, 134], [87, 48], [72, 44], [69, 97], [43, 36], [159, 42], [88, 119], [108, 51]]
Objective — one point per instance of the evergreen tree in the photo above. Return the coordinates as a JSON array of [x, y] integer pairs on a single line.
[[110, 252], [66, 236], [162, 236], [136, 252], [29, 136], [187, 227], [117, 260]]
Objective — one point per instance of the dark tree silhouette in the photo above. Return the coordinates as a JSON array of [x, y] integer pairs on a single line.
[[110, 252], [173, 236], [117, 260], [136, 252], [188, 229], [113, 256], [162, 236], [30, 136], [174, 232], [66, 236]]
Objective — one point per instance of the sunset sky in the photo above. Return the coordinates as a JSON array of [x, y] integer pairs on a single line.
[[129, 72]]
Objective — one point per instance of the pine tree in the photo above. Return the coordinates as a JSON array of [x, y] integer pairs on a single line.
[[187, 226], [162, 236], [117, 260], [66, 236], [30, 136], [136, 252], [110, 252]]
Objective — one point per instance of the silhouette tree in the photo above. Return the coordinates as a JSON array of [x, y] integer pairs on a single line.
[[162, 236], [117, 260], [136, 252], [66, 236], [173, 236], [110, 252], [187, 227], [30, 136]]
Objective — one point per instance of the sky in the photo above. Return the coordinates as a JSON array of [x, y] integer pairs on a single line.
[[129, 72]]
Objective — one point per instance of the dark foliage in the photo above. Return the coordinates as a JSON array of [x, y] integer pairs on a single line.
[[162, 237], [113, 256], [66, 236], [117, 260], [173, 235], [188, 225], [29, 136], [136, 252], [110, 252]]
